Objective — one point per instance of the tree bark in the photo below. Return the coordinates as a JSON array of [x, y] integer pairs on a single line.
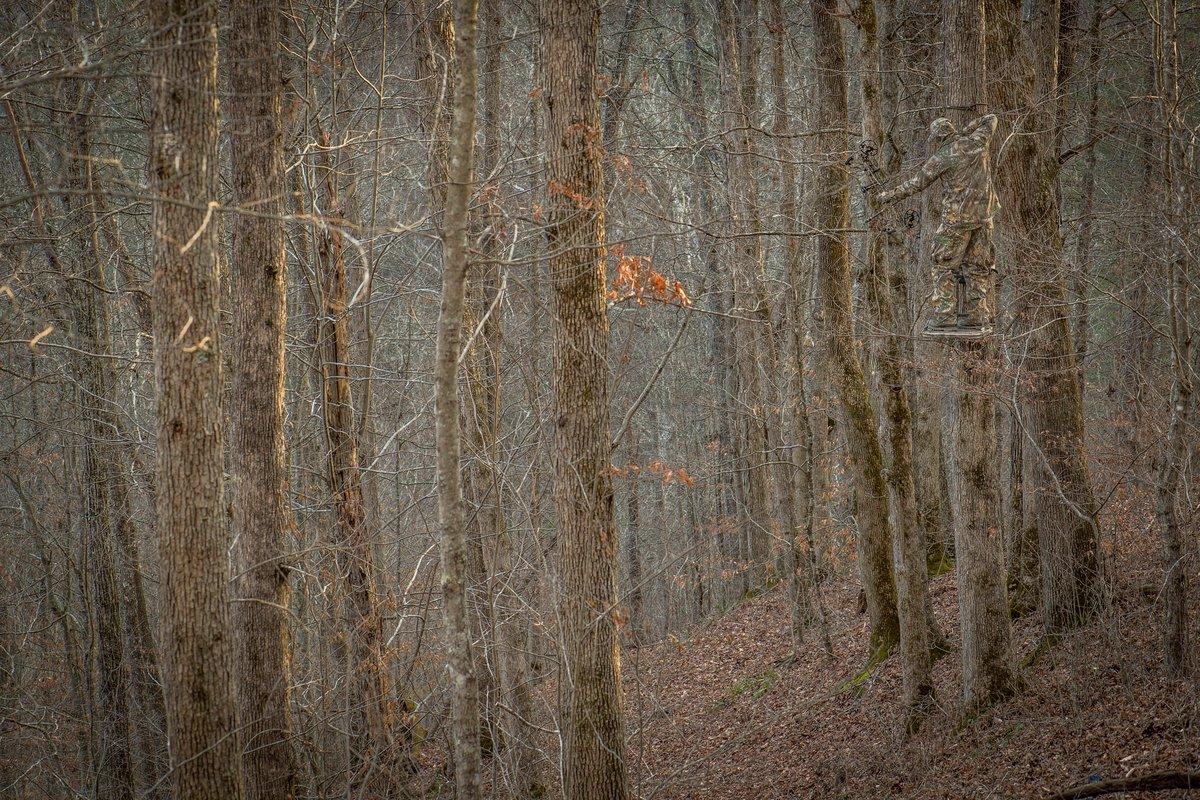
[[989, 671], [464, 691], [515, 717], [754, 348], [1052, 405], [1178, 442], [93, 369], [1154, 782], [258, 464], [593, 724], [632, 543], [377, 758], [908, 540], [832, 216], [194, 543], [720, 373], [1085, 242], [796, 475]]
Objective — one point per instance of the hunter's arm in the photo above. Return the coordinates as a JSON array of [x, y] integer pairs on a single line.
[[929, 172]]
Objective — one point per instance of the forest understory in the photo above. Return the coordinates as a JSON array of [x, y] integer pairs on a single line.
[[736, 711]]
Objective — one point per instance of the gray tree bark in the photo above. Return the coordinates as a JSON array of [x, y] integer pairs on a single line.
[[190, 506], [464, 691], [908, 540], [989, 671]]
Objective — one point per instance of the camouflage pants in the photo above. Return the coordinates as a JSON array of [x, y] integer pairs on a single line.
[[964, 266]]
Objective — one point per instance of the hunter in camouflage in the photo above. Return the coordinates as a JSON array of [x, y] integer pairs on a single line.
[[964, 260]]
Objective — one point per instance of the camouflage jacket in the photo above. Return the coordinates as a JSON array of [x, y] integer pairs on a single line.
[[970, 200]]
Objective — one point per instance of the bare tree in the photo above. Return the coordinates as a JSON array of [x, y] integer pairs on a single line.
[[464, 692], [1175, 158], [831, 209], [194, 542], [1057, 479], [258, 464], [908, 540], [593, 724], [989, 671]]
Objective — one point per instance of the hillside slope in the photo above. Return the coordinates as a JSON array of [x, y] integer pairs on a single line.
[[731, 713]]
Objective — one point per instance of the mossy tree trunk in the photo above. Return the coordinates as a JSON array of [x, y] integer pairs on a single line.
[[908, 542], [593, 714], [989, 671], [1051, 408], [831, 207]]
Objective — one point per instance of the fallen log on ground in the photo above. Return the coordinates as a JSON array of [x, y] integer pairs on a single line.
[[1153, 782]]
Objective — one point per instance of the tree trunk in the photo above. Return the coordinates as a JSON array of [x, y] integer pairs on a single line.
[[194, 544], [755, 354], [632, 543], [1178, 444], [93, 369], [515, 719], [258, 464], [464, 692], [832, 216], [1085, 241], [593, 724], [908, 542], [796, 463], [989, 672], [374, 751], [149, 716], [721, 372], [109, 744], [1052, 405]]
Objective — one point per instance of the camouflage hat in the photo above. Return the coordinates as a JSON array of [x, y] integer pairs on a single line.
[[941, 127]]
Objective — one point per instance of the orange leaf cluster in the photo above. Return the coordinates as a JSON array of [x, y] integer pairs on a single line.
[[637, 280], [665, 473]]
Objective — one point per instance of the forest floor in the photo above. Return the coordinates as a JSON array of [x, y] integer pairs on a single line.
[[735, 711]]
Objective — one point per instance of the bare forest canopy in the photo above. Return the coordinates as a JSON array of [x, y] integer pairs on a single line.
[[599, 400]]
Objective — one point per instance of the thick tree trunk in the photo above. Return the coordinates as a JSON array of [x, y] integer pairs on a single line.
[[1052, 408], [190, 506], [832, 216], [989, 671], [593, 723], [908, 542], [258, 465]]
